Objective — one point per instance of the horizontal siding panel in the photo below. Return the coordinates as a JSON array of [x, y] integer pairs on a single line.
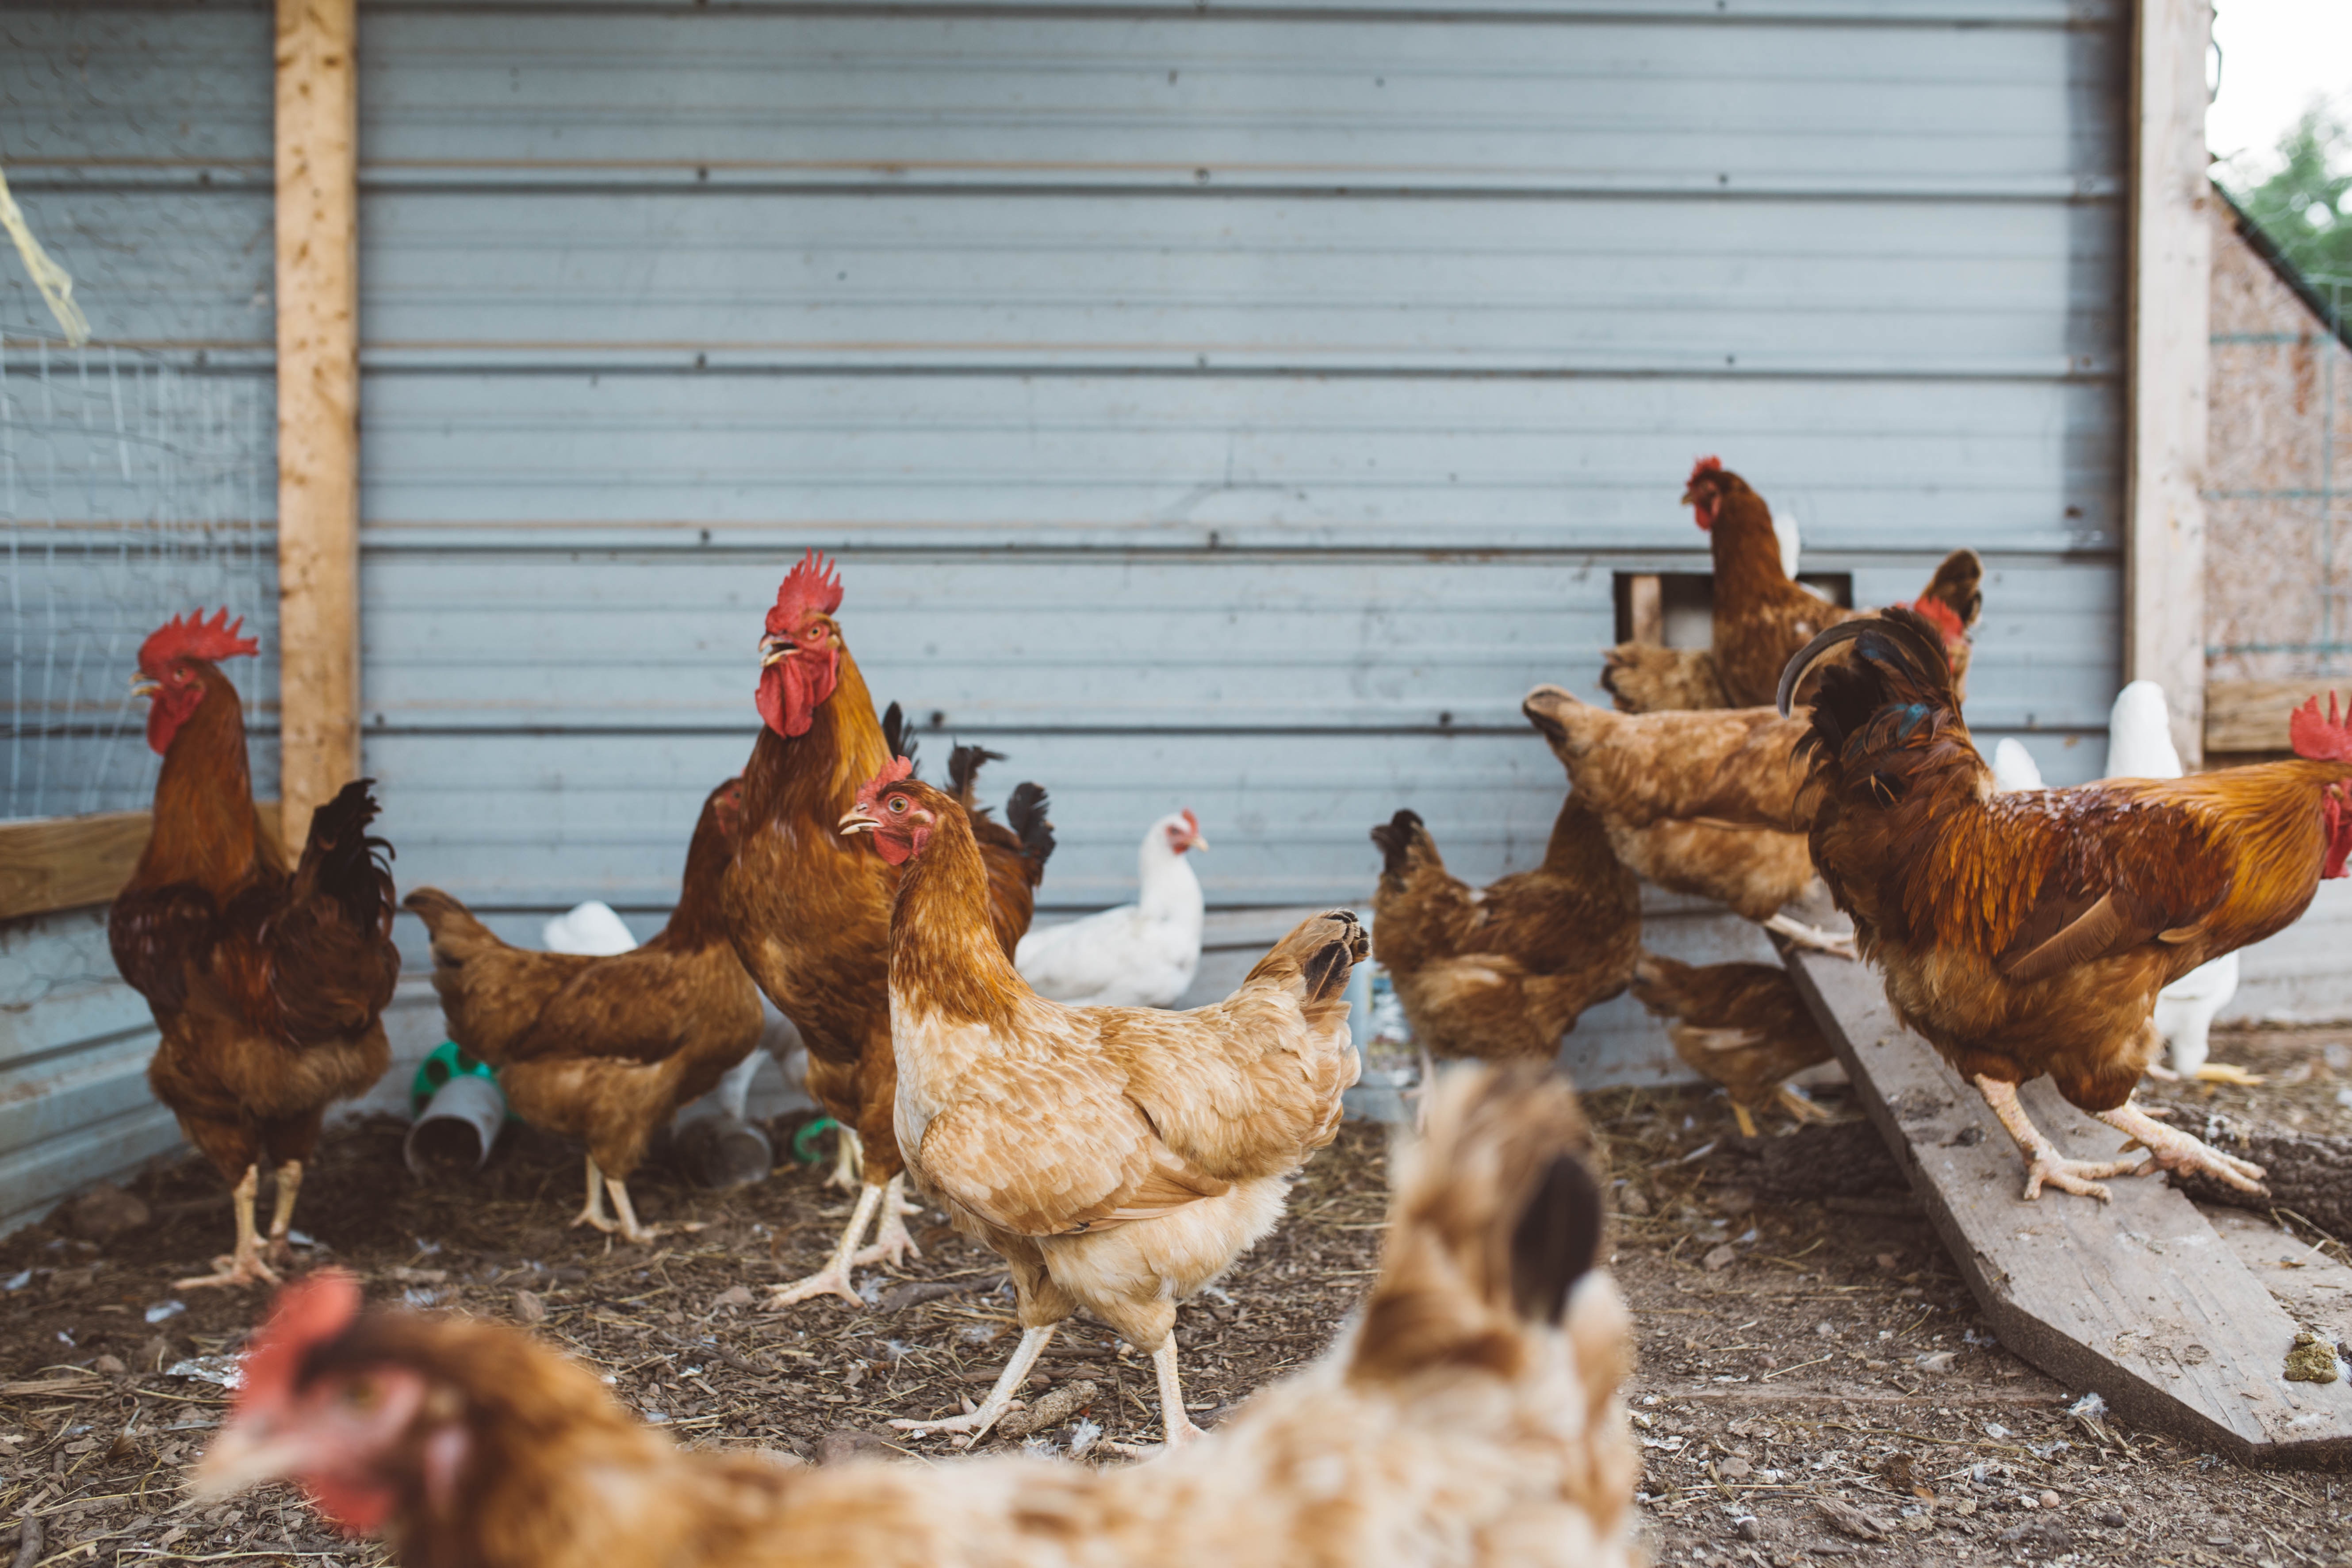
[[149, 91], [167, 270], [34, 1179], [1695, 286], [986, 460], [492, 96], [997, 643]]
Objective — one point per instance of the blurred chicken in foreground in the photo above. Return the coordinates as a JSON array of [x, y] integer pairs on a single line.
[[1742, 1025], [2029, 933], [1468, 1416], [1505, 970], [2140, 746], [1699, 802]]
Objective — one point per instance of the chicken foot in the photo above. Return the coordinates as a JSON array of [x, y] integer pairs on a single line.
[[848, 1159], [893, 1242], [1173, 1419], [833, 1278], [2178, 1151], [245, 1265], [973, 1425], [592, 1211], [2043, 1162], [1812, 937]]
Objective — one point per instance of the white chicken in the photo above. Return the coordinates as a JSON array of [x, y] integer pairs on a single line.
[[1141, 954], [2140, 746]]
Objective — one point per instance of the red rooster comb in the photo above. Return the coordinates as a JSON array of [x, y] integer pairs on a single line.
[[2319, 740], [193, 636], [1705, 467], [893, 772], [813, 586], [309, 1312], [1946, 619]]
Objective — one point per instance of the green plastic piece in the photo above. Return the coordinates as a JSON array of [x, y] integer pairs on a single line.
[[447, 1060], [804, 1141]]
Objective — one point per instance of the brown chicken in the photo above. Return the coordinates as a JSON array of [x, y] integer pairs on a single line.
[[1015, 849], [269, 987], [809, 911], [1118, 1159], [2029, 933], [1504, 971], [1699, 802], [1742, 1025], [1472, 1420], [1761, 615], [606, 1049]]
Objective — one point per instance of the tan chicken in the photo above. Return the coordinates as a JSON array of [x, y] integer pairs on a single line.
[[1505, 970], [606, 1049], [1470, 1419], [1698, 802], [1742, 1025], [1118, 1159]]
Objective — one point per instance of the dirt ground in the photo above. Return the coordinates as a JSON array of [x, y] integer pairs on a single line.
[[1792, 1355]]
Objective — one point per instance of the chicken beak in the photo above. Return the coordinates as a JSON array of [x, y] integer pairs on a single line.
[[145, 685], [858, 821], [1198, 843], [245, 1455], [775, 650]]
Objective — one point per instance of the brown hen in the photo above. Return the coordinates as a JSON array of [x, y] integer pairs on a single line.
[[1742, 1025]]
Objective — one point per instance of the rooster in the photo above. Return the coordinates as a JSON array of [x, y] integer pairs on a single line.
[[1761, 614], [2030, 932], [1742, 1025], [809, 911], [1118, 1159], [606, 1050], [1470, 1419], [1701, 803], [268, 987], [1142, 955], [1504, 971]]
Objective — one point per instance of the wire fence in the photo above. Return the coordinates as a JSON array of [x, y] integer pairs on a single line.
[[131, 489]]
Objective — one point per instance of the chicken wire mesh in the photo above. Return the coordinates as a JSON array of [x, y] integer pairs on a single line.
[[131, 489]]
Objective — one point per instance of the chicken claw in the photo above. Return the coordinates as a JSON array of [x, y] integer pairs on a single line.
[[2228, 1072], [832, 1280], [1813, 937], [2043, 1162], [2176, 1150], [246, 1265], [893, 1243], [973, 1425]]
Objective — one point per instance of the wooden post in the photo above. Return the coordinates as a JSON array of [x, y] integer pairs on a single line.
[[318, 405], [2172, 260]]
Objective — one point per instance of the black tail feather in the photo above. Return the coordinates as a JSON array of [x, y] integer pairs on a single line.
[[346, 863], [1327, 967], [1024, 813], [964, 763], [894, 733], [1557, 1240]]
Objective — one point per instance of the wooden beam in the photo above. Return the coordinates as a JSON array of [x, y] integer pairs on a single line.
[[70, 862], [2168, 351], [2250, 715], [2140, 1299], [318, 405]]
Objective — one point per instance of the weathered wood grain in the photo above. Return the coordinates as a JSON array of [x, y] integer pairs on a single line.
[[2139, 1300], [2250, 715], [69, 862]]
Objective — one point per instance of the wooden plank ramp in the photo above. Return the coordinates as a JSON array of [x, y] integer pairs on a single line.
[[2140, 1300]]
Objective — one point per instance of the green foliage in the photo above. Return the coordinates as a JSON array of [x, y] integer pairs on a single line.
[[2305, 207]]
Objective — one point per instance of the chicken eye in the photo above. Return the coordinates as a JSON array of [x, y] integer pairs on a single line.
[[897, 803], [363, 1395]]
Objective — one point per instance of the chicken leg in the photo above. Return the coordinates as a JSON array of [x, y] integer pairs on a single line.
[[848, 1159], [246, 1265], [2178, 1151], [833, 1278], [2043, 1162], [1812, 937], [973, 1425], [592, 1211], [281, 1216], [1173, 1420], [893, 1243]]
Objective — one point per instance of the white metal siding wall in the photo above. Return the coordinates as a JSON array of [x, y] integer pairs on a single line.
[[1237, 407]]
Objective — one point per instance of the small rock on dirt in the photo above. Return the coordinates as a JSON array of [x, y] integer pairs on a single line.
[[530, 1308], [1057, 1405], [844, 1442], [732, 1298], [104, 1212], [1720, 1259]]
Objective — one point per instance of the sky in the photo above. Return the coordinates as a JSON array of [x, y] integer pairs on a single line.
[[2276, 56]]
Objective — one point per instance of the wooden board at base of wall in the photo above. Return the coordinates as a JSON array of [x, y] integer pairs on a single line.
[[2250, 715], [69, 862]]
